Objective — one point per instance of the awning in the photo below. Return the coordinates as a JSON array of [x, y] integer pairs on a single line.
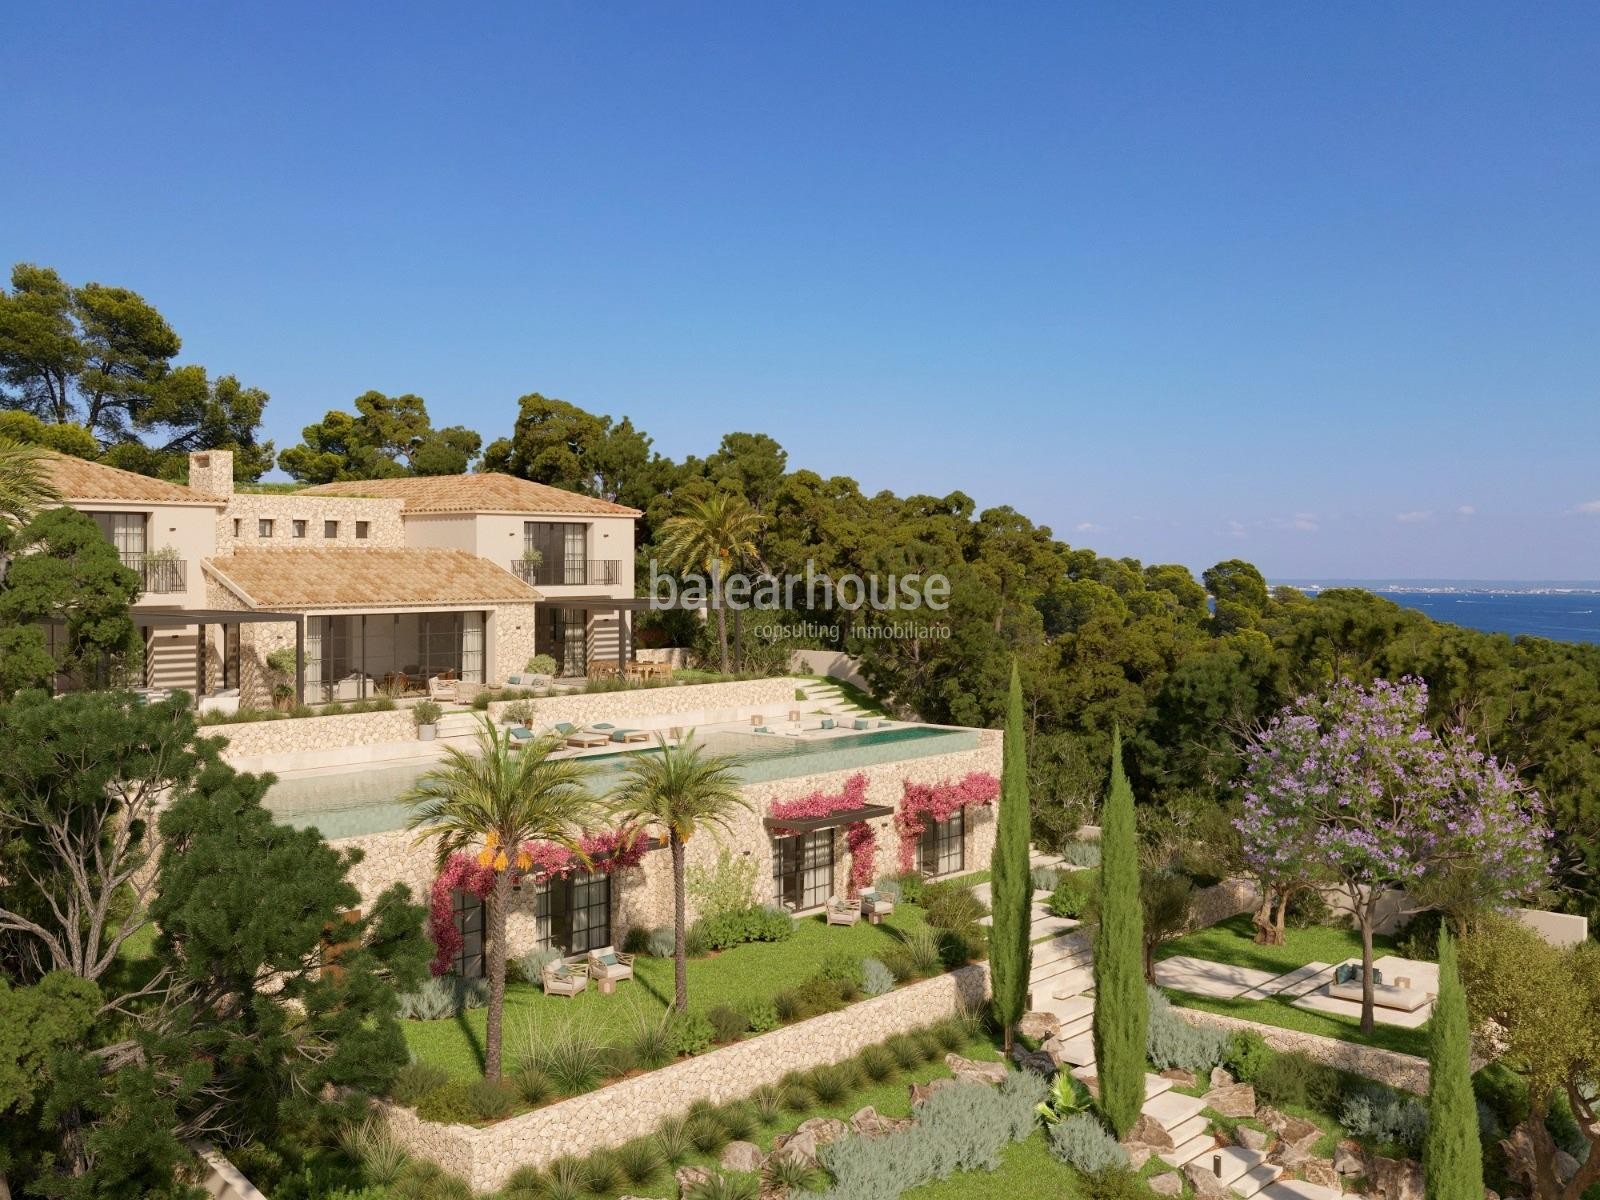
[[783, 827]]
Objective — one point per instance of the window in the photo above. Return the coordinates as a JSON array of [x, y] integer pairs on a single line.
[[942, 850], [299, 529], [562, 633], [126, 532], [802, 869], [330, 529], [573, 915], [361, 530], [264, 527], [563, 551], [468, 911], [238, 527]]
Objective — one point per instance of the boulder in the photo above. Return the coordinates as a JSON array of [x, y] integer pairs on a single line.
[[1168, 1184], [1291, 1129], [1040, 1062], [1566, 1166], [795, 1147], [1206, 1185], [921, 1091], [1234, 1100], [1348, 1159], [870, 1123], [1179, 1076], [967, 1070], [1039, 1026], [690, 1178], [1251, 1139], [1137, 1156], [742, 1156], [1221, 1078], [823, 1129], [1394, 1178], [1147, 1131], [1320, 1172]]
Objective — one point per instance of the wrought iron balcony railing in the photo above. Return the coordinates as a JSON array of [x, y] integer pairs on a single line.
[[596, 572]]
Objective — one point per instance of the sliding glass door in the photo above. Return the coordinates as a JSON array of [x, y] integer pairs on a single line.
[[802, 869]]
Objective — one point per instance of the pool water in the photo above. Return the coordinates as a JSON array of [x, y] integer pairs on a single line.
[[354, 801]]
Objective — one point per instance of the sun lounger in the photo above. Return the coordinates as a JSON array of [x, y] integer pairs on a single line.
[[589, 741], [630, 735], [1384, 995]]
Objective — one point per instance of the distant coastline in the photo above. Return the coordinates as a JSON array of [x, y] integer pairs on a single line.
[[1563, 610]]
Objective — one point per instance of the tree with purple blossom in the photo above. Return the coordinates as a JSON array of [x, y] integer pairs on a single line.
[[1352, 787]]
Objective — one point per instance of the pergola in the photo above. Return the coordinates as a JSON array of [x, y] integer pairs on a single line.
[[626, 604], [180, 618]]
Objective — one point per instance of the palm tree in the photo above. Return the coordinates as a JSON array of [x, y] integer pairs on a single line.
[[679, 790], [25, 485], [713, 534], [491, 803]]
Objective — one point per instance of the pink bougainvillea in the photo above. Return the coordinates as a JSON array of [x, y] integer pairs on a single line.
[[926, 804], [602, 852], [819, 805], [863, 842]]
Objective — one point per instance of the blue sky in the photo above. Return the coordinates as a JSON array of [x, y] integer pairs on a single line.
[[1315, 286]]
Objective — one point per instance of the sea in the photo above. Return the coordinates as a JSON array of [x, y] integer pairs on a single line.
[[1562, 610]]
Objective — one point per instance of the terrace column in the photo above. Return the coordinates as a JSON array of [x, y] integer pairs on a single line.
[[300, 660]]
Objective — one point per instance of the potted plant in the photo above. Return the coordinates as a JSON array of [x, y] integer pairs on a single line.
[[280, 667], [530, 563], [426, 715], [543, 668]]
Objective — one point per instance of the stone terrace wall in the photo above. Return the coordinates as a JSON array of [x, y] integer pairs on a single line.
[[1386, 1066], [636, 1106], [1217, 903], [299, 734], [580, 708]]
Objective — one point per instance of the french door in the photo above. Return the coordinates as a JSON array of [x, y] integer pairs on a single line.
[[802, 869]]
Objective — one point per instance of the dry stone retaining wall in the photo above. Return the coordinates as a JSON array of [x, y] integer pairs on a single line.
[[1386, 1066], [634, 1107]]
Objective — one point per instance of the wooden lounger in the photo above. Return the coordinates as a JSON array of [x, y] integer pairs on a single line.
[[586, 741], [631, 735]]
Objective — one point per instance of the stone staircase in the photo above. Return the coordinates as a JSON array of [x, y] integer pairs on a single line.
[[829, 699], [459, 723]]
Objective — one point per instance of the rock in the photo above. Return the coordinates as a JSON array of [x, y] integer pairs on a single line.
[[966, 1070], [1320, 1171], [823, 1129], [1289, 1155], [1040, 1062], [921, 1091], [795, 1147], [1179, 1076], [1169, 1184], [742, 1156], [1348, 1159], [1394, 1178], [1293, 1130], [1566, 1166], [1039, 1026], [1206, 1185], [1220, 1078], [1251, 1139], [690, 1178], [1147, 1131], [1234, 1100], [870, 1123], [1137, 1156], [1091, 1083]]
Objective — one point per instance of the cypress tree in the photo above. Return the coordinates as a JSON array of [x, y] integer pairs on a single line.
[[1010, 952], [1452, 1156], [1122, 1006]]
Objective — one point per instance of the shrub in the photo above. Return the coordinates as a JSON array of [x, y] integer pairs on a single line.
[[650, 1038], [490, 1100], [728, 886], [739, 1119], [426, 712], [1073, 895], [757, 923], [844, 969], [722, 1186], [877, 1064], [1380, 1115], [1081, 854], [617, 1060], [727, 1023], [415, 1080], [519, 712], [691, 1033], [958, 947], [640, 1161], [1173, 1042], [818, 995], [951, 905], [876, 979], [568, 1052], [660, 942], [1116, 1185], [533, 1085], [480, 702], [1248, 1055], [603, 1173], [1294, 1079], [637, 941], [447, 1104], [1044, 879], [532, 964], [761, 1015], [911, 886], [707, 1133], [671, 1140], [1308, 908], [442, 996], [1081, 1141], [541, 664], [888, 887], [1420, 938]]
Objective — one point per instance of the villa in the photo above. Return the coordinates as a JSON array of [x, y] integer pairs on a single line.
[[378, 586]]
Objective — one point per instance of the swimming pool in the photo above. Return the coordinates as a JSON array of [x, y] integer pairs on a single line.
[[354, 801]]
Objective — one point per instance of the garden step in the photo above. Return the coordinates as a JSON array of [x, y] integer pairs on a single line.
[[1058, 966], [1154, 1088], [1077, 1051], [1253, 1180], [1192, 1128], [1056, 950], [1297, 1189], [1238, 1161], [1187, 1152], [1073, 1008], [1170, 1108], [1077, 1027], [1070, 983]]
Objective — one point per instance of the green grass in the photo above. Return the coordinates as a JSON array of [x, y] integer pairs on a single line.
[[1283, 1014], [1233, 941], [754, 971], [855, 695]]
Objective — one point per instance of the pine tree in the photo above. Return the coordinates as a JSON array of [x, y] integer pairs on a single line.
[[1122, 1006], [1010, 952], [1452, 1156]]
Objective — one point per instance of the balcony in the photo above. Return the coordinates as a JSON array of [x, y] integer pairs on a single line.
[[158, 574], [596, 572]]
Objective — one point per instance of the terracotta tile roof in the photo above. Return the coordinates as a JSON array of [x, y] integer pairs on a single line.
[[80, 479], [341, 578], [485, 492]]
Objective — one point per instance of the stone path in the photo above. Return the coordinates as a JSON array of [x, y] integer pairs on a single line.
[[1296, 983], [1203, 977]]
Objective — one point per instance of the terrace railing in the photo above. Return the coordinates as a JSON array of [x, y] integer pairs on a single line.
[[595, 572], [159, 575]]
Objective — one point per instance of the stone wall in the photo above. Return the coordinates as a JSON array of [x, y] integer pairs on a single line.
[[385, 529], [1398, 1070], [294, 735], [716, 701], [1217, 903], [634, 1107]]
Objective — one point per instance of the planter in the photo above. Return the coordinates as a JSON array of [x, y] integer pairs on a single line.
[[426, 733]]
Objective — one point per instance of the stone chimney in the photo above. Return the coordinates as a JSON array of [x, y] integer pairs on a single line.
[[211, 473]]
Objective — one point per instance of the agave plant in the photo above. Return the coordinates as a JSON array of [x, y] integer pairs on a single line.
[[1068, 1096]]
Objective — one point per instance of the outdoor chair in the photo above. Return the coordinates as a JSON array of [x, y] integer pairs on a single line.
[[842, 912], [440, 688], [610, 964], [565, 979], [876, 905]]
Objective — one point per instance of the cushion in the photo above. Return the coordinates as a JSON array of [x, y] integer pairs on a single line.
[[827, 722], [521, 733], [563, 727], [609, 959], [562, 972], [859, 724], [604, 725]]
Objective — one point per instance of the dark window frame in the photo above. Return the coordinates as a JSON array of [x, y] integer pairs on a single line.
[[798, 856]]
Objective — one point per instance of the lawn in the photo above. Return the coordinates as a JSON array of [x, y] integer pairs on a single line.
[[1283, 1014], [1233, 941], [754, 971]]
